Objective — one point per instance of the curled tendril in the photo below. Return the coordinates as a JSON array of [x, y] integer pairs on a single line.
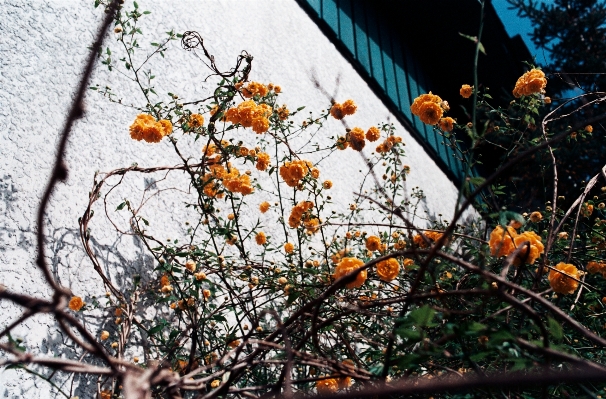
[[192, 40]]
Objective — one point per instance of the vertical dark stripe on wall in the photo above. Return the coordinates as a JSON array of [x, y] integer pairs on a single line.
[[330, 14], [401, 80], [316, 5], [388, 67], [376, 56], [346, 28], [413, 86], [362, 54]]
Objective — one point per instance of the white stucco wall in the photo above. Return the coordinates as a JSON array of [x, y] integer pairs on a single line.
[[43, 45]]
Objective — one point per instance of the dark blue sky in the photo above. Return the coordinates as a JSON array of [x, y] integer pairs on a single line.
[[516, 25]]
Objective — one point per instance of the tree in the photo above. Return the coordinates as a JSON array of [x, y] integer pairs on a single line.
[[573, 33]]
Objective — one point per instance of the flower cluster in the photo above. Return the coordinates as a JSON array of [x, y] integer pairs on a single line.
[[235, 182], [559, 280], [255, 89], [293, 172], [327, 386], [145, 127], [302, 213], [348, 265], [531, 82], [196, 120], [420, 242], [339, 111], [165, 286], [429, 108], [356, 138], [283, 113], [210, 150], [249, 114], [388, 144], [596, 267], [262, 161], [587, 209], [503, 243], [336, 258], [231, 179], [331, 385]]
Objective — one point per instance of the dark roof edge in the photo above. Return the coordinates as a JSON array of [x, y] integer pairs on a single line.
[[378, 90]]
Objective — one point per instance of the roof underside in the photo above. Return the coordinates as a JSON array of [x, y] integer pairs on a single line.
[[407, 48]]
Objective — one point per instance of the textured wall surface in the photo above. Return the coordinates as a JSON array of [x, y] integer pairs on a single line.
[[42, 49]]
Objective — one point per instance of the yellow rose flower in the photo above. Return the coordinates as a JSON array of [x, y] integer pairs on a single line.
[[347, 265], [76, 303], [531, 82], [373, 243], [388, 270], [260, 238], [466, 91], [327, 386], [562, 283]]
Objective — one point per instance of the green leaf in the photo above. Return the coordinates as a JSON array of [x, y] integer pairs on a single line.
[[475, 326], [520, 364], [135, 4], [555, 328], [292, 297], [501, 336], [121, 206], [475, 40], [408, 361], [145, 221], [481, 48], [478, 356], [16, 343], [155, 329], [413, 335], [477, 181], [423, 316]]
